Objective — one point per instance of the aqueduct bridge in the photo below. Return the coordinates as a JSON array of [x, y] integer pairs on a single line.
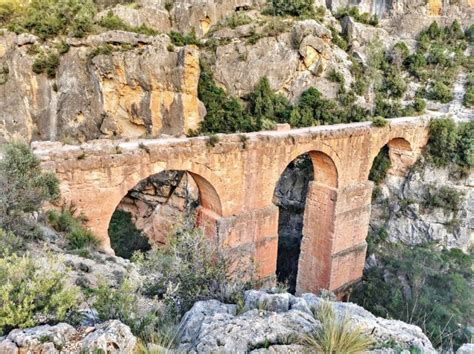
[[236, 179]]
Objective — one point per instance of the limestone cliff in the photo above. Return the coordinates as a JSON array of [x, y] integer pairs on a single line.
[[135, 86]]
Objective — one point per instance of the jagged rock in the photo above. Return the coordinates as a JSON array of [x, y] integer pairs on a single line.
[[211, 326], [269, 302], [42, 339], [467, 348], [110, 337]]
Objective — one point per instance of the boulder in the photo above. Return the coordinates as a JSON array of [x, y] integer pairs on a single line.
[[274, 323], [41, 339], [110, 337]]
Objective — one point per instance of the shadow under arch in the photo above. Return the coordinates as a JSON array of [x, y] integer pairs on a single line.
[[303, 174], [166, 198]]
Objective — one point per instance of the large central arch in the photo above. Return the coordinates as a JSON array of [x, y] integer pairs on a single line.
[[316, 246]]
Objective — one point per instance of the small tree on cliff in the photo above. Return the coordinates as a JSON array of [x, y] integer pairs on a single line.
[[24, 187]]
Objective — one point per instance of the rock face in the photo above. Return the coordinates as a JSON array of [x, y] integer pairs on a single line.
[[400, 209], [276, 322], [160, 201], [108, 337], [294, 58], [140, 87]]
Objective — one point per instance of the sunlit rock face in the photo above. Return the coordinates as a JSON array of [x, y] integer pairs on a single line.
[[139, 88]]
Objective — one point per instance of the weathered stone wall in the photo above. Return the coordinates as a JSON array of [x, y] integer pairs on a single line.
[[237, 198]]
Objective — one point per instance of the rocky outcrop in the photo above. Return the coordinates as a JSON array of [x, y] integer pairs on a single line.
[[140, 87], [108, 337], [272, 323], [181, 15], [400, 208], [294, 57]]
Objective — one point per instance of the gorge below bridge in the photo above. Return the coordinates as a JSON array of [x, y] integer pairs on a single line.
[[236, 178]]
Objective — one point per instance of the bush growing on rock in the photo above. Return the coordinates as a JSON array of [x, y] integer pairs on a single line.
[[444, 197], [295, 8], [48, 18], [23, 188], [190, 267], [32, 291], [122, 303], [77, 235], [449, 143]]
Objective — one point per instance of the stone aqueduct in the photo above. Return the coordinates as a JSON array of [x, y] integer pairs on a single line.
[[237, 178]]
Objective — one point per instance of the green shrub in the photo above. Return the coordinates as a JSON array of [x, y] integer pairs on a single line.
[[440, 92], [421, 285], [353, 12], [380, 166], [394, 85], [264, 103], [191, 267], [445, 197], [225, 114], [46, 64], [122, 303], [379, 121], [295, 8], [32, 291], [113, 22], [443, 142], [77, 235], [9, 243], [237, 19], [336, 76], [48, 18], [419, 105], [179, 40], [23, 187], [125, 238], [468, 99], [466, 144], [338, 40], [336, 335]]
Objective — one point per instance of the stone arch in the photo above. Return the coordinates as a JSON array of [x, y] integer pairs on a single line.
[[308, 204], [401, 153], [207, 213]]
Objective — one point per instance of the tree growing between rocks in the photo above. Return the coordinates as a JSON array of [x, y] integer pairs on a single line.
[[24, 187]]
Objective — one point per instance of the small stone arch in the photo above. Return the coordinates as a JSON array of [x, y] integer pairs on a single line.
[[401, 153]]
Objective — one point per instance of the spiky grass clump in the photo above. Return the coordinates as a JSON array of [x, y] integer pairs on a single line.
[[336, 335]]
